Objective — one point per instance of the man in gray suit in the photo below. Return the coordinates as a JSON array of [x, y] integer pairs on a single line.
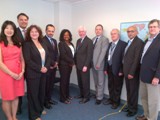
[[83, 58], [100, 45]]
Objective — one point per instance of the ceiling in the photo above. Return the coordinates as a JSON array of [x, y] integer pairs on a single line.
[[71, 1]]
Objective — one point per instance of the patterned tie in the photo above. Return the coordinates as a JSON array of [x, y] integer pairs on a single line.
[[52, 43], [24, 33]]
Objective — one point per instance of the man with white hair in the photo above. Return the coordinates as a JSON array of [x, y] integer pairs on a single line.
[[83, 58]]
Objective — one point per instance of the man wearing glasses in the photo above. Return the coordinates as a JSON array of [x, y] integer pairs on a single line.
[[131, 67], [150, 73]]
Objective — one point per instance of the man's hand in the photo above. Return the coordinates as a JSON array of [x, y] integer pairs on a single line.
[[130, 76], [84, 69], [105, 72], [155, 81]]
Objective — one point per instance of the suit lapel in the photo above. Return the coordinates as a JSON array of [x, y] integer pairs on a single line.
[[117, 48], [81, 44], [152, 44], [132, 44], [35, 48], [20, 34]]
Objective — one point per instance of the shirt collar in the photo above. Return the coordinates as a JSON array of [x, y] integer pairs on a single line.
[[116, 42], [21, 29], [150, 39]]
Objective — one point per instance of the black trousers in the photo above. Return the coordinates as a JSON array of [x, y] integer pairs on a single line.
[[115, 84], [50, 78], [84, 83], [65, 72], [36, 95], [132, 87]]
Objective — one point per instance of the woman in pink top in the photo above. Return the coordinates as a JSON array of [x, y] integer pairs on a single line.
[[11, 70]]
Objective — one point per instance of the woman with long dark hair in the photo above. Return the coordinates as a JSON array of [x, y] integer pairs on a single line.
[[66, 62], [37, 63], [11, 70]]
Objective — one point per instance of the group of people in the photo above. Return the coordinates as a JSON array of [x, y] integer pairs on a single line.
[[26, 54]]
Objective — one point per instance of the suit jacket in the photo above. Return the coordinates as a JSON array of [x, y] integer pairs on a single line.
[[84, 53], [150, 66], [52, 52], [99, 52], [66, 57], [20, 36], [117, 65], [33, 59], [132, 57]]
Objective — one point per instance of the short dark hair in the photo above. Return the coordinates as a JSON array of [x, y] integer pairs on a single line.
[[14, 37], [154, 20], [28, 37], [100, 26], [61, 38], [49, 25], [22, 14]]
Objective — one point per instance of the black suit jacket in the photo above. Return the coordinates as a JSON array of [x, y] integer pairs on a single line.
[[52, 52], [20, 36], [66, 57], [117, 65], [33, 59], [132, 57], [84, 53], [150, 66]]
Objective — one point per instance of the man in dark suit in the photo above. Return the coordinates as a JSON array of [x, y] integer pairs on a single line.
[[22, 20], [53, 52], [131, 66], [113, 67], [83, 58], [150, 73]]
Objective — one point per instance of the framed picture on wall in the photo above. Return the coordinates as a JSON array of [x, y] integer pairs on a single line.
[[142, 27]]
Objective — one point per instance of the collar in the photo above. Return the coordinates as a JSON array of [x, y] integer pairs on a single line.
[[21, 29], [116, 42]]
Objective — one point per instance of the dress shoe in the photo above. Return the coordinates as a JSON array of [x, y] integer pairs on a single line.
[[53, 102], [78, 97], [125, 109], [48, 106], [84, 100], [141, 117], [19, 111], [70, 98], [93, 96], [130, 114], [98, 102], [107, 102], [114, 106]]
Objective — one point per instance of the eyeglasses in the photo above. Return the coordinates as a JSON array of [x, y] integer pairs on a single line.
[[152, 27], [131, 31]]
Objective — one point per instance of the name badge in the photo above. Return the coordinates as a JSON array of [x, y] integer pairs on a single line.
[[109, 57]]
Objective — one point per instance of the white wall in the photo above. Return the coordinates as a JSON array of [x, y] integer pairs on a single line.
[[39, 12], [110, 14]]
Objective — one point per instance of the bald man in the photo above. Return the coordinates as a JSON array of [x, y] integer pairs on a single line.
[[131, 68]]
